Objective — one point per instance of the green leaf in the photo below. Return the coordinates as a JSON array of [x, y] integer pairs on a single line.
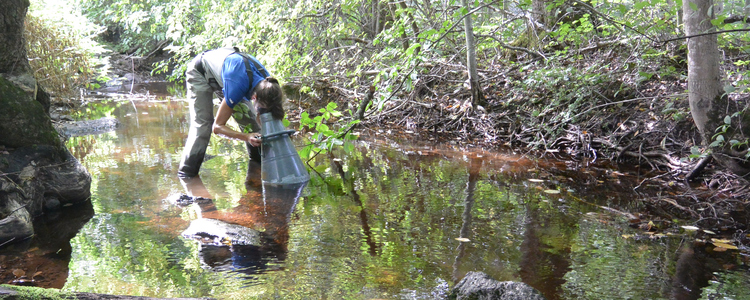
[[411, 49], [695, 150], [728, 120], [428, 33], [348, 147], [729, 88], [693, 6], [304, 153]]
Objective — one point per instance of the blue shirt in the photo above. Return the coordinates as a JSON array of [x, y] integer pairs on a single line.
[[237, 86]]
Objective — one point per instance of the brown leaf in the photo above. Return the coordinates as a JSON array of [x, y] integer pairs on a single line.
[[19, 272]]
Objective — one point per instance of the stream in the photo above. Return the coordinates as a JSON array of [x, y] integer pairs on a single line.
[[392, 219]]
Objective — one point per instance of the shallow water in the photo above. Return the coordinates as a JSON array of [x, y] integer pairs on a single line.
[[387, 221]]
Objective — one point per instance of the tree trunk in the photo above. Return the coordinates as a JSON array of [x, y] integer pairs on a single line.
[[539, 12], [413, 22], [708, 102], [12, 44], [42, 172], [477, 98]]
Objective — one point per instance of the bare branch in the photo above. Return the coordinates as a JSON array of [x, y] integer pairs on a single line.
[[506, 46]]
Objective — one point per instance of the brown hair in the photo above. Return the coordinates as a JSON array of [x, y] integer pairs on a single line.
[[268, 93]]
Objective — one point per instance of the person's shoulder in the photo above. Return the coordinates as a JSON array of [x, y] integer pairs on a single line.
[[235, 58]]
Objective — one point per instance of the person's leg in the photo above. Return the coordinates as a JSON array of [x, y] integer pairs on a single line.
[[200, 97]]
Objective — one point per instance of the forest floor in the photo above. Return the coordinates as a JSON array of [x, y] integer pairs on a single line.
[[576, 109]]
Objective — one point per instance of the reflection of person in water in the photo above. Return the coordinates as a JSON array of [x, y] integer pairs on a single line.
[[265, 209]]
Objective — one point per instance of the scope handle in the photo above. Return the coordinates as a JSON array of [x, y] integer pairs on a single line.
[[276, 134]]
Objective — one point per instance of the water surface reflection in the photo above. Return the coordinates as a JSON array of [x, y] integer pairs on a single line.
[[403, 222]]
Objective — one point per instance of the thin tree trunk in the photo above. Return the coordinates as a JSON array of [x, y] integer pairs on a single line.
[[708, 102], [704, 84], [539, 11], [413, 22], [477, 97], [404, 37]]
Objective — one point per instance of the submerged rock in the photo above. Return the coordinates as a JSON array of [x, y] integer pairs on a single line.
[[215, 232], [479, 286], [87, 127]]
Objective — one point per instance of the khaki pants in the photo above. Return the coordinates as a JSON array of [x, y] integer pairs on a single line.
[[200, 97]]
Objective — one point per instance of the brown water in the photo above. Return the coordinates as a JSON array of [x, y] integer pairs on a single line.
[[386, 221]]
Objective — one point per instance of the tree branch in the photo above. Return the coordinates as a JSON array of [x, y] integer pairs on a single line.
[[608, 19], [736, 19], [319, 15], [702, 34], [506, 46]]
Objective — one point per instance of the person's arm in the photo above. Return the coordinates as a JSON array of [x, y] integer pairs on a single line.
[[220, 127]]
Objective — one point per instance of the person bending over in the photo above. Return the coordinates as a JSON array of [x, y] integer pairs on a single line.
[[239, 80]]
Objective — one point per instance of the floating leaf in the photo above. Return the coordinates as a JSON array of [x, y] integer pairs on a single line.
[[720, 249], [726, 246], [463, 240], [535, 180], [552, 191], [725, 241], [690, 228]]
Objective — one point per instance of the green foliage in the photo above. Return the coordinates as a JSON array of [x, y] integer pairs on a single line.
[[129, 24], [325, 137], [60, 58], [33, 293]]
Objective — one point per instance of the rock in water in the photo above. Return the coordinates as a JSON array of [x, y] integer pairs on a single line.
[[479, 286]]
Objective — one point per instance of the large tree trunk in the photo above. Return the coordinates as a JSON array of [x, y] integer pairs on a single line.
[[12, 45], [709, 104], [477, 97], [23, 119], [39, 173]]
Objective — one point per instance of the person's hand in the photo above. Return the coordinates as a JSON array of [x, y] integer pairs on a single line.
[[253, 139]]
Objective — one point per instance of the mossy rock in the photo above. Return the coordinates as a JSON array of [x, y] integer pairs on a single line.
[[23, 121]]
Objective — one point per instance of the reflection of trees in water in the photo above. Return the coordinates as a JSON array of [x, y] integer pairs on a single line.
[[266, 209], [43, 259], [371, 245], [545, 250], [466, 217], [694, 268], [541, 266]]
